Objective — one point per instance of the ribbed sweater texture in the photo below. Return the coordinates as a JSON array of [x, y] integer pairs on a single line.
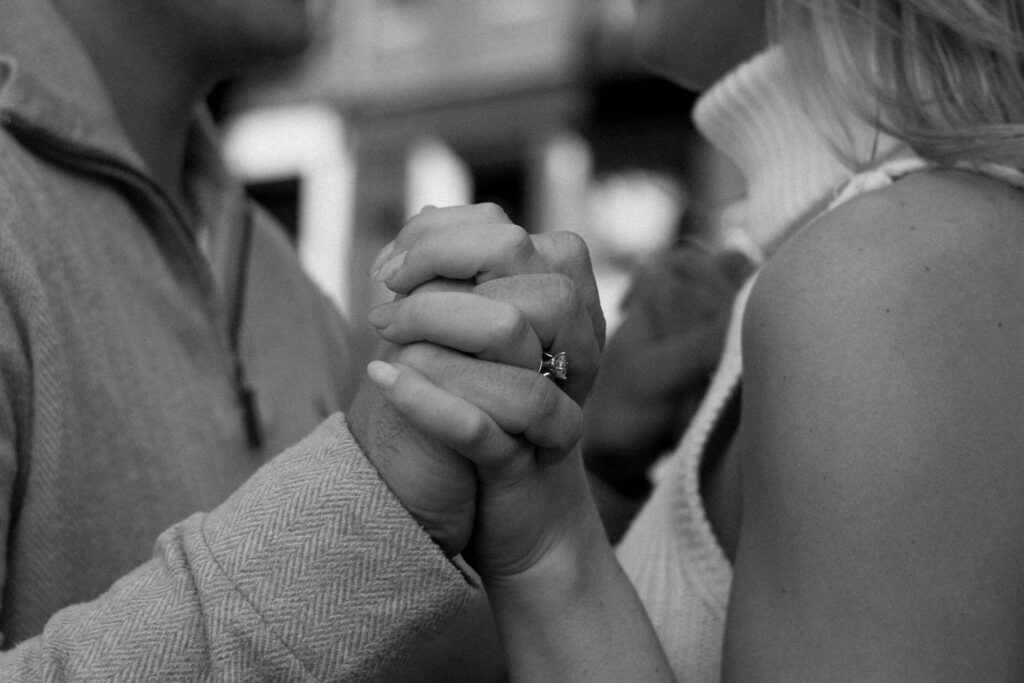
[[792, 171]]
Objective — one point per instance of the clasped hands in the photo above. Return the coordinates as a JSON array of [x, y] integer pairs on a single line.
[[480, 447]]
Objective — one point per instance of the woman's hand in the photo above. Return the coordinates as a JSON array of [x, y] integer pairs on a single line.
[[563, 606], [496, 297], [474, 386], [516, 427], [476, 245]]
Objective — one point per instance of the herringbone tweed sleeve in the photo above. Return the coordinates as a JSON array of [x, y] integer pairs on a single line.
[[311, 571]]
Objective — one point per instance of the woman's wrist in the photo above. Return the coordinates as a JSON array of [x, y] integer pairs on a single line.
[[580, 557], [574, 615]]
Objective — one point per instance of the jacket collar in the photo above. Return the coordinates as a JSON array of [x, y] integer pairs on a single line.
[[50, 90], [49, 85]]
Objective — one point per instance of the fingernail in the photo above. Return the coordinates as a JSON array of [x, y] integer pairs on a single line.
[[382, 256], [390, 268], [381, 315], [384, 375]]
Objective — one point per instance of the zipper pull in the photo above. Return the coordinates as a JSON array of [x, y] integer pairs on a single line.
[[250, 410], [246, 393]]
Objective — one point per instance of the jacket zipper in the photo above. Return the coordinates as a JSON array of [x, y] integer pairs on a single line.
[[94, 162]]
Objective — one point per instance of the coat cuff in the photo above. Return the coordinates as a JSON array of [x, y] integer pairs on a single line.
[[330, 561]]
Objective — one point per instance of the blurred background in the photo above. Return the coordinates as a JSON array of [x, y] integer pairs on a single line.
[[537, 105]]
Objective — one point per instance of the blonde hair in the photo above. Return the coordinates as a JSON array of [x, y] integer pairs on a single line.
[[945, 76]]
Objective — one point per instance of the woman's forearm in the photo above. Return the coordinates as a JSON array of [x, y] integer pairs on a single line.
[[576, 617]]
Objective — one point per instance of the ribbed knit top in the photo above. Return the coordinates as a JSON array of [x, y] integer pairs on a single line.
[[792, 171], [789, 162]]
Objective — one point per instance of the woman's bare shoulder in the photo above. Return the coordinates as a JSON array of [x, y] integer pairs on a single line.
[[940, 247], [907, 291], [881, 435]]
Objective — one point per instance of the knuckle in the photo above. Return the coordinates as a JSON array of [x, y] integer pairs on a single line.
[[523, 249], [544, 397], [422, 253], [563, 429], [492, 210], [573, 242], [514, 238], [474, 433], [570, 430], [402, 317], [509, 324], [563, 296], [410, 224], [418, 355], [422, 250], [571, 247], [509, 449]]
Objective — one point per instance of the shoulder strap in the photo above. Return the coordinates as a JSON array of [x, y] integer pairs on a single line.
[[878, 177], [889, 172]]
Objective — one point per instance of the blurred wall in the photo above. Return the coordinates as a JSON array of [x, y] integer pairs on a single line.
[[537, 105]]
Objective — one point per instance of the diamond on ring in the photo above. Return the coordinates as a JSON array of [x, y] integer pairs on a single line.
[[555, 366]]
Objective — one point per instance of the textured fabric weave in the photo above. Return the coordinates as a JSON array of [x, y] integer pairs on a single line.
[[788, 161], [121, 415]]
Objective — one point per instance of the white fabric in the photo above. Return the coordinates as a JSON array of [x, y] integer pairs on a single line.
[[789, 162], [793, 172], [671, 553]]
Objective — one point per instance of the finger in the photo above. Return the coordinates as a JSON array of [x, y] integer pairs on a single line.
[[510, 320], [461, 251], [513, 320], [479, 242], [430, 223], [490, 329], [431, 217], [453, 421], [567, 253], [520, 400], [441, 284], [558, 317]]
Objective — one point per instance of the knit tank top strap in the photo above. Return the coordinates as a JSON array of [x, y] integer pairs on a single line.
[[887, 173], [671, 552]]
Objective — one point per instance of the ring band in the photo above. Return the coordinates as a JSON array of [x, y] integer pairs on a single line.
[[555, 366]]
